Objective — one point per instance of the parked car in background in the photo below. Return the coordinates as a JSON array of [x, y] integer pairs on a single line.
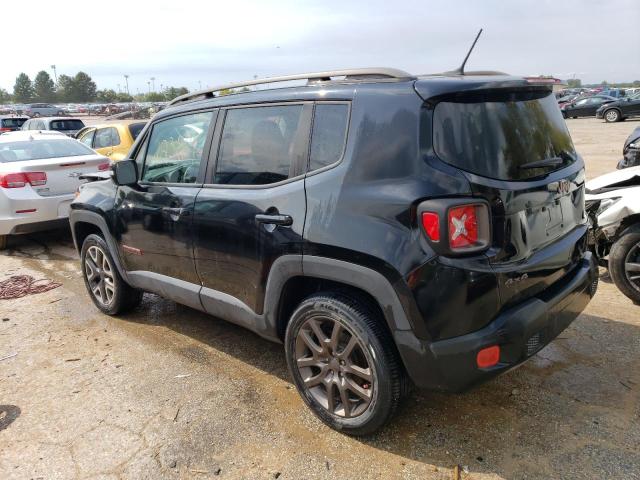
[[113, 140], [614, 92], [42, 110], [613, 206], [620, 109], [11, 123], [39, 174], [631, 151], [66, 125], [387, 229], [585, 107]]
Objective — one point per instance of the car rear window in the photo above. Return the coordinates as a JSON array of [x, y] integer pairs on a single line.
[[66, 125], [495, 134], [135, 129], [41, 149], [12, 122]]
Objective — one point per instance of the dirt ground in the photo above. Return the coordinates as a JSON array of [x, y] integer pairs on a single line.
[[168, 392]]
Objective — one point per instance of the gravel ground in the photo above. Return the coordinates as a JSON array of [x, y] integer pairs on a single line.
[[168, 392]]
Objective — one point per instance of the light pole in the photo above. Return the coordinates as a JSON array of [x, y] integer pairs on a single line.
[[55, 74], [149, 85], [199, 85], [126, 79], [153, 83], [119, 91]]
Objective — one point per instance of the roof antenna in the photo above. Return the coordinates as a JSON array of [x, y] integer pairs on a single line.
[[460, 69]]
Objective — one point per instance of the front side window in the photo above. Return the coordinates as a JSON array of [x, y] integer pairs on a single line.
[[87, 138], [173, 152], [329, 134], [258, 146]]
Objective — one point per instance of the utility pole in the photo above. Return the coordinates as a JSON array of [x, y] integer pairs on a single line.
[[126, 79], [55, 74]]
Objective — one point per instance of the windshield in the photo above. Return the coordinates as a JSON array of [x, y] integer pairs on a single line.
[[41, 150], [66, 124], [496, 134], [12, 122]]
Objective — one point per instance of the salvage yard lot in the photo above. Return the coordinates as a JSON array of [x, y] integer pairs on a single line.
[[168, 392]]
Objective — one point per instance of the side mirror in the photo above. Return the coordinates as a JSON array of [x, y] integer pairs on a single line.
[[125, 172]]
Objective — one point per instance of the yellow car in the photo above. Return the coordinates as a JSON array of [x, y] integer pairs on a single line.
[[112, 140]]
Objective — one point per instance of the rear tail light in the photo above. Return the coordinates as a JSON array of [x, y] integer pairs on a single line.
[[104, 166], [19, 180], [488, 357], [464, 227], [3, 129]]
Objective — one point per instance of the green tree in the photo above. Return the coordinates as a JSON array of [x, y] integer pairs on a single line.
[[107, 96], [65, 88], [574, 83], [5, 97], [85, 87], [154, 97], [23, 89], [173, 92], [44, 88]]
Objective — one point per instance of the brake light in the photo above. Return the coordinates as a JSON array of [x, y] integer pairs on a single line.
[[431, 225], [36, 178], [104, 166], [3, 129], [463, 226], [19, 180]]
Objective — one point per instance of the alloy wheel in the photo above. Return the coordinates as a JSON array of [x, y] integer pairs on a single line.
[[335, 366], [99, 274], [612, 115], [632, 266]]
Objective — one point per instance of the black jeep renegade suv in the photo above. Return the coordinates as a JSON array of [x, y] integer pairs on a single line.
[[390, 230]]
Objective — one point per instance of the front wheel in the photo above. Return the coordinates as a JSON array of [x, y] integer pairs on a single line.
[[612, 116], [109, 292], [343, 363], [624, 265]]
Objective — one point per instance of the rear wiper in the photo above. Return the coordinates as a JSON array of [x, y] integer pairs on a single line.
[[547, 162]]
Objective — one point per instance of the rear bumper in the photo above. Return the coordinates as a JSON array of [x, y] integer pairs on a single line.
[[521, 331], [38, 213]]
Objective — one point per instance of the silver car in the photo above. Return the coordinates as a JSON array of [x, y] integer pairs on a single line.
[[42, 110], [66, 125]]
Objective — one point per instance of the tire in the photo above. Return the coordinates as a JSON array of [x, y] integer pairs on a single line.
[[612, 116], [37, 114], [3, 241], [624, 256], [96, 260], [368, 376]]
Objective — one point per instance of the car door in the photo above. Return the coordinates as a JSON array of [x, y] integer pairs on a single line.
[[580, 108], [154, 217], [252, 207]]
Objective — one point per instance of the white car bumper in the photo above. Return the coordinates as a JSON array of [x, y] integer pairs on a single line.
[[22, 210]]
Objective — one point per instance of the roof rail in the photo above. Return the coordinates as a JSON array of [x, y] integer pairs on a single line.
[[351, 74]]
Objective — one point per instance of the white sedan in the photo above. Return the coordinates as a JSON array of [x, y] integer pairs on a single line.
[[39, 175]]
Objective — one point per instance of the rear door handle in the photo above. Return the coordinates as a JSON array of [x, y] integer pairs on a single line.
[[284, 220], [177, 212]]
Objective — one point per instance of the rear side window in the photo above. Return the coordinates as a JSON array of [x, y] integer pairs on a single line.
[[173, 152], [329, 134], [497, 134], [258, 145]]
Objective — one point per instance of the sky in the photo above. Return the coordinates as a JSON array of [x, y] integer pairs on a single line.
[[205, 43]]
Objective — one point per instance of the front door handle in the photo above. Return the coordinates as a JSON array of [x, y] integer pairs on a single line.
[[283, 220], [177, 212]]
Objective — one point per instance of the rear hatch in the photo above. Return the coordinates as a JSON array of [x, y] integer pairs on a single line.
[[513, 146]]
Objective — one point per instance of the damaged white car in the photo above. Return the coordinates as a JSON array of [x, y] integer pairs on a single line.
[[613, 205]]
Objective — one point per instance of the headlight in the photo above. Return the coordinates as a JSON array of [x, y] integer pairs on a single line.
[[606, 203], [635, 144]]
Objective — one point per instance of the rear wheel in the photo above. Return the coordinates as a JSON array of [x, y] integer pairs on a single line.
[[343, 363], [612, 116], [624, 265], [109, 292]]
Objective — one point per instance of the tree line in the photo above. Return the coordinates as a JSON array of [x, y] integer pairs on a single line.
[[79, 88]]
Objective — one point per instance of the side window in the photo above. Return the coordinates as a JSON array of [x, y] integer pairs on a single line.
[[103, 138], [40, 125], [115, 137], [87, 138], [329, 134], [582, 102], [258, 145], [173, 151]]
